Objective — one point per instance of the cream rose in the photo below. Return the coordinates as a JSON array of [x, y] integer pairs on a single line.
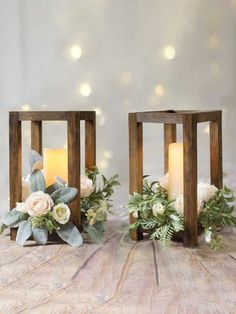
[[86, 186], [158, 209], [38, 203], [61, 213], [205, 191], [135, 214]]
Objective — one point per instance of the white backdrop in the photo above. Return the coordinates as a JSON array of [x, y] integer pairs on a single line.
[[135, 55]]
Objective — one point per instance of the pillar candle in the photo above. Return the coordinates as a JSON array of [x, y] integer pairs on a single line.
[[176, 173], [55, 164]]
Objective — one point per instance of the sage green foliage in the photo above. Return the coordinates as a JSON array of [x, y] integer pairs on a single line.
[[92, 206], [217, 214], [162, 226]]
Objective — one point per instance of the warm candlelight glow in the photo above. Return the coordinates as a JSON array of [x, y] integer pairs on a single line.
[[175, 170], [55, 164]]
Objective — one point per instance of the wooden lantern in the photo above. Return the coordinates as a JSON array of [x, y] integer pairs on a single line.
[[189, 120], [73, 119]]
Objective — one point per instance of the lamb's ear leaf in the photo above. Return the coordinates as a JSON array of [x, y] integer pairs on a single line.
[[24, 232], [35, 160], [40, 235], [64, 195], [12, 217], [70, 234], [61, 182], [52, 188], [37, 181], [95, 231]]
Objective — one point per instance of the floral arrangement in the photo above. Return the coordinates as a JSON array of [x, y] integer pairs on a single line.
[[163, 218], [45, 209]]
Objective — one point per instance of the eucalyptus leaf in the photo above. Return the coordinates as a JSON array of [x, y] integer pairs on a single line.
[[35, 159], [12, 217], [40, 235], [95, 231], [70, 234], [37, 181], [64, 195], [24, 232], [52, 188]]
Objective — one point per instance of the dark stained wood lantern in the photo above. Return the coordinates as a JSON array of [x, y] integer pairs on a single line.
[[189, 120], [73, 119]]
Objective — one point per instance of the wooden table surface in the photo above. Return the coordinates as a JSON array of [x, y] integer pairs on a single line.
[[119, 276]]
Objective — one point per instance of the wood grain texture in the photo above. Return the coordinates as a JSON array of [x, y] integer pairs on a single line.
[[190, 181], [118, 277], [73, 135], [216, 151], [135, 165], [36, 136], [169, 137], [15, 163], [90, 142]]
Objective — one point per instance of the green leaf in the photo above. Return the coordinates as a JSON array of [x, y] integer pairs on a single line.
[[34, 158], [70, 234], [24, 232], [12, 217], [64, 195], [40, 235], [37, 181], [95, 231], [2, 228]]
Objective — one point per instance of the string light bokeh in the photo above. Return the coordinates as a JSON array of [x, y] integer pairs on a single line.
[[117, 57]]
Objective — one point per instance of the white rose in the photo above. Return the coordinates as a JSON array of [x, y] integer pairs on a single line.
[[158, 208], [164, 181], [179, 205], [61, 213], [38, 203], [86, 186], [135, 214], [205, 192], [207, 236], [25, 187]]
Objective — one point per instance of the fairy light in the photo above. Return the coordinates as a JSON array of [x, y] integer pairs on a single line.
[[160, 90], [126, 78], [103, 164], [108, 154], [169, 52], [85, 90], [75, 52], [102, 120], [25, 107], [98, 110]]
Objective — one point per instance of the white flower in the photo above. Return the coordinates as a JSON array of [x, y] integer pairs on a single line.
[[207, 236], [86, 186], [205, 192], [25, 187], [135, 214], [38, 203], [61, 213], [164, 181], [179, 205], [158, 209], [103, 206]]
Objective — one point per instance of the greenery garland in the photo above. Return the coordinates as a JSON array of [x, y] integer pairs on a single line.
[[158, 216]]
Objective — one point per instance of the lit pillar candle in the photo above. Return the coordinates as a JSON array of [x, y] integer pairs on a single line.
[[176, 173], [55, 164]]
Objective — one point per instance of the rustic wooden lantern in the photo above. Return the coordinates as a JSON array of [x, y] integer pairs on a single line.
[[189, 120], [73, 119]]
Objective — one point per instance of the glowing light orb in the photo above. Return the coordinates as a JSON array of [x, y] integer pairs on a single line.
[[160, 90], [85, 90], [98, 110], [108, 154], [75, 52], [25, 107], [169, 52]]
